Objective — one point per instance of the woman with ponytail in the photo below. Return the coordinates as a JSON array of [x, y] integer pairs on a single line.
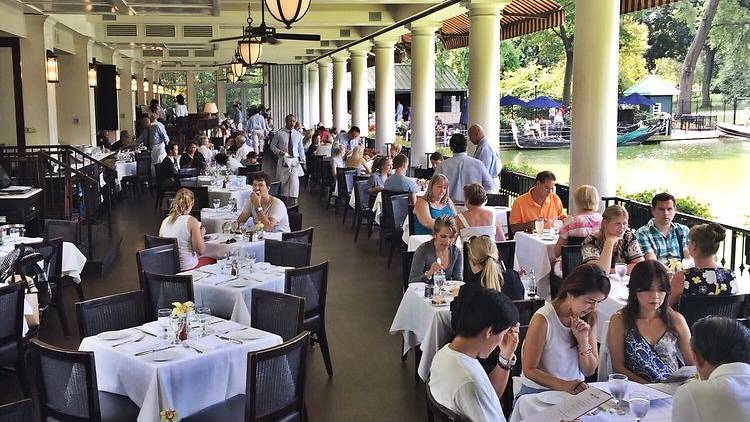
[[188, 231], [707, 277]]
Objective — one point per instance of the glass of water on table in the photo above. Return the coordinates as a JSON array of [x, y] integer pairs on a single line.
[[618, 386], [164, 315], [639, 406]]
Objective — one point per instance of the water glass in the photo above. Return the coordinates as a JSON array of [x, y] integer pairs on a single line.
[[204, 315], [539, 226], [216, 203], [164, 315], [174, 325], [618, 386], [557, 225], [620, 270], [639, 406]]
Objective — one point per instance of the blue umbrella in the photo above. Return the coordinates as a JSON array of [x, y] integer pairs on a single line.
[[636, 99], [543, 102], [509, 101]]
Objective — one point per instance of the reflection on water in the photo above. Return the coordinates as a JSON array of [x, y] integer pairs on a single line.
[[715, 171]]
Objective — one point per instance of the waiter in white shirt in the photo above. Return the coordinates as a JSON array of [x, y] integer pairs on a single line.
[[258, 130], [485, 154], [287, 145], [349, 140]]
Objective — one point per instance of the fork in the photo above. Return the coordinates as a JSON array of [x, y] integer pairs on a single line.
[[130, 340]]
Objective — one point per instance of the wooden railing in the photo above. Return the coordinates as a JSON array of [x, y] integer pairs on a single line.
[[734, 252]]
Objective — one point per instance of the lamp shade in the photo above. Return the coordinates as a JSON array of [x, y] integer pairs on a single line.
[[155, 87], [145, 85], [53, 75], [160, 89], [117, 81], [133, 83], [92, 75], [232, 78], [210, 108], [237, 67], [287, 11], [250, 50]]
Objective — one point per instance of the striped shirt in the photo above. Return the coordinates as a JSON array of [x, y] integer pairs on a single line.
[[580, 225], [664, 247]]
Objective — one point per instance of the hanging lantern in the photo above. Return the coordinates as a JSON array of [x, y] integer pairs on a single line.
[[92, 74], [53, 76], [133, 83], [117, 81], [155, 87], [145, 85], [160, 89], [232, 78], [287, 11], [250, 50], [237, 67]]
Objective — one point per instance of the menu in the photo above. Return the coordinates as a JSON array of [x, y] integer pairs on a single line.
[[573, 407]]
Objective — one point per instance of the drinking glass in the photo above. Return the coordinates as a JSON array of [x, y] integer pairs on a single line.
[[164, 315], [618, 386], [216, 203], [557, 225], [639, 405], [539, 226], [174, 325], [204, 315], [620, 270], [250, 259]]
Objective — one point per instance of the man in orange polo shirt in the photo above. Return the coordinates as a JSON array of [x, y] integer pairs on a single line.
[[539, 202]]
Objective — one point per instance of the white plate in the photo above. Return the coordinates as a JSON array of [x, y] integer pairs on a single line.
[[246, 335], [113, 335], [553, 397], [164, 356], [240, 283]]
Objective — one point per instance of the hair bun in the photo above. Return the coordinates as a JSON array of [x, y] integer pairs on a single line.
[[719, 232]]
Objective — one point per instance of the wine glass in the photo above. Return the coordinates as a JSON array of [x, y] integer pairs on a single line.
[[164, 315], [639, 405], [216, 203], [204, 315], [618, 386], [620, 270], [557, 225], [250, 259]]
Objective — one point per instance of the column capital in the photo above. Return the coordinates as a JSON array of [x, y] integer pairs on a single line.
[[484, 7], [324, 62], [340, 56], [360, 50], [424, 27], [389, 39]]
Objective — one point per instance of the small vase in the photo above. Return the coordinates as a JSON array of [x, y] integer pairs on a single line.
[[182, 334]]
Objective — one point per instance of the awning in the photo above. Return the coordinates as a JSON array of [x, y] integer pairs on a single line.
[[636, 99], [630, 6]]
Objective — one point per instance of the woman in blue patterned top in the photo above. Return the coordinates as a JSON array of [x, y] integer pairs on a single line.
[[647, 339], [707, 277]]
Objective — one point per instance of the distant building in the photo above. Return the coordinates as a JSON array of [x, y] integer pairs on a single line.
[[658, 90]]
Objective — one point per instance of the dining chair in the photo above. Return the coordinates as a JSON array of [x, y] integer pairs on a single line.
[[570, 258], [160, 290], [406, 259], [387, 215], [67, 389], [412, 219], [200, 195], [438, 412], [20, 411], [151, 241], [299, 236], [287, 254], [506, 251], [506, 399], [143, 169], [497, 200], [164, 259], [275, 189], [527, 308], [295, 220], [274, 389], [11, 331], [574, 240], [397, 209], [48, 282], [110, 313], [423, 173], [510, 230], [362, 211], [311, 283], [695, 307], [68, 231], [278, 313]]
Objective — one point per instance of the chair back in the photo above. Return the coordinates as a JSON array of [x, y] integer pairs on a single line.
[[163, 259], [275, 189], [527, 308], [510, 230], [253, 168], [310, 283], [66, 383], [143, 165], [151, 241], [326, 177], [574, 240], [160, 290], [66, 230], [422, 173], [412, 219], [398, 207], [51, 262], [294, 208], [506, 251], [295, 220], [570, 257], [11, 316], [299, 236], [344, 180], [185, 173], [110, 313], [406, 259], [439, 412], [201, 197], [278, 313], [497, 200], [695, 307], [20, 411], [361, 195], [276, 381], [287, 254]]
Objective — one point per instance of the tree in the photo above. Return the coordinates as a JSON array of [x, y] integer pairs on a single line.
[[691, 58], [565, 33]]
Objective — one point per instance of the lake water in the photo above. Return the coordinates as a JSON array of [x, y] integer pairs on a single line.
[[715, 171]]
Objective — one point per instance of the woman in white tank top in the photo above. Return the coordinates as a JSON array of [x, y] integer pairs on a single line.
[[477, 220], [182, 226], [560, 346]]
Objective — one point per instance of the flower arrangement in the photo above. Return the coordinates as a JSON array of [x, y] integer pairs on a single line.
[[674, 265], [169, 415], [181, 309]]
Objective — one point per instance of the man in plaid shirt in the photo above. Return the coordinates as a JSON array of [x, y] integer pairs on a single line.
[[662, 238]]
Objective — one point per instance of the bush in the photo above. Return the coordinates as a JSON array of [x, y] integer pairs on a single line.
[[687, 204], [523, 168]]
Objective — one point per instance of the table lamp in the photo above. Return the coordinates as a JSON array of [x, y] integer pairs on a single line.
[[210, 109]]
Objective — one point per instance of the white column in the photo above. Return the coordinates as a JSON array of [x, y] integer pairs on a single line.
[[360, 116], [593, 150], [312, 94], [339, 90], [221, 96], [385, 92], [125, 95], [324, 92], [192, 102], [422, 115], [138, 72], [484, 67], [39, 96]]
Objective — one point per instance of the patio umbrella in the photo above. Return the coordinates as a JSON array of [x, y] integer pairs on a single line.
[[510, 101], [543, 102], [636, 99]]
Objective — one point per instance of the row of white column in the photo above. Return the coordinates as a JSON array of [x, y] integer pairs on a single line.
[[593, 151]]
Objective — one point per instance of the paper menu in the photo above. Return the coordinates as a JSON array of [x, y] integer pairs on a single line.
[[573, 407], [639, 389]]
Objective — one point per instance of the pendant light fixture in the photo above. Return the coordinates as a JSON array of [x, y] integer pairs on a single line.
[[287, 11], [237, 66], [117, 81], [53, 74], [145, 85], [250, 50], [231, 77]]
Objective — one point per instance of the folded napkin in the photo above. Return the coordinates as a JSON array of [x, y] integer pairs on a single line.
[[248, 333], [261, 277], [217, 279], [206, 343], [261, 266], [153, 328], [197, 275], [147, 343], [224, 326], [210, 269]]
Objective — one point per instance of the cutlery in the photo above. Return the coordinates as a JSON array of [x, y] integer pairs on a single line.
[[227, 281], [233, 330], [147, 352], [190, 346], [145, 332], [233, 340], [135, 340]]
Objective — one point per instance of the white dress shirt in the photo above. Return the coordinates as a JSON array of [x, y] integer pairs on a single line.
[[463, 170], [724, 396], [180, 110], [242, 151], [280, 143], [349, 144], [488, 157], [257, 122]]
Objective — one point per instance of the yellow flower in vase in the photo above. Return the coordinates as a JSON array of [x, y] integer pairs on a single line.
[[181, 309]]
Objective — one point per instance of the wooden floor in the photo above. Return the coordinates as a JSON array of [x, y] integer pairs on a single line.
[[370, 381]]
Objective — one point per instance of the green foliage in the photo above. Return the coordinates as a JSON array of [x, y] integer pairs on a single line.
[[523, 168], [633, 36], [686, 204]]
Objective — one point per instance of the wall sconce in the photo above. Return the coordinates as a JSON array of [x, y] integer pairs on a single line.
[[133, 83], [117, 81], [92, 73], [53, 75], [145, 85]]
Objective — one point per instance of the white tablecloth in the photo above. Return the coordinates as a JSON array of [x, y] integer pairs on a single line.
[[124, 170], [537, 254], [241, 195], [218, 248], [188, 384], [529, 404], [227, 301], [73, 260], [213, 219]]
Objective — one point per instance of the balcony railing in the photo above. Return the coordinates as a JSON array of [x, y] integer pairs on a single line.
[[734, 252]]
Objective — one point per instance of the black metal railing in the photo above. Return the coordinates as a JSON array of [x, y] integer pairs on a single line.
[[734, 252]]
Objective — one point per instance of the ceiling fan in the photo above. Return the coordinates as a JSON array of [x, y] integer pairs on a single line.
[[264, 33]]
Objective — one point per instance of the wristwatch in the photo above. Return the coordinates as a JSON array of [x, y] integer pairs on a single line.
[[506, 364], [259, 209]]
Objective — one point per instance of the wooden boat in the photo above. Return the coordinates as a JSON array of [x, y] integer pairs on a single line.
[[729, 130], [635, 136]]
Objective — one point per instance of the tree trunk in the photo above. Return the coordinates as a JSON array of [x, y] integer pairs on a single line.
[[709, 61], [687, 74], [567, 41]]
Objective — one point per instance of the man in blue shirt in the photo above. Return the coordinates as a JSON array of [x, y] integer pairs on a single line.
[[484, 152], [661, 238], [349, 140], [398, 182], [462, 170]]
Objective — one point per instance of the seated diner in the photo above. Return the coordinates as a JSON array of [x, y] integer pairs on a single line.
[[613, 243], [433, 204], [541, 201], [264, 208]]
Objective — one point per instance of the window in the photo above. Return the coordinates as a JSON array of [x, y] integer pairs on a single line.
[[177, 80], [205, 88]]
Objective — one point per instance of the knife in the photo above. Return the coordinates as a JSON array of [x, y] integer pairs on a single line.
[[154, 350], [233, 340], [227, 281]]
